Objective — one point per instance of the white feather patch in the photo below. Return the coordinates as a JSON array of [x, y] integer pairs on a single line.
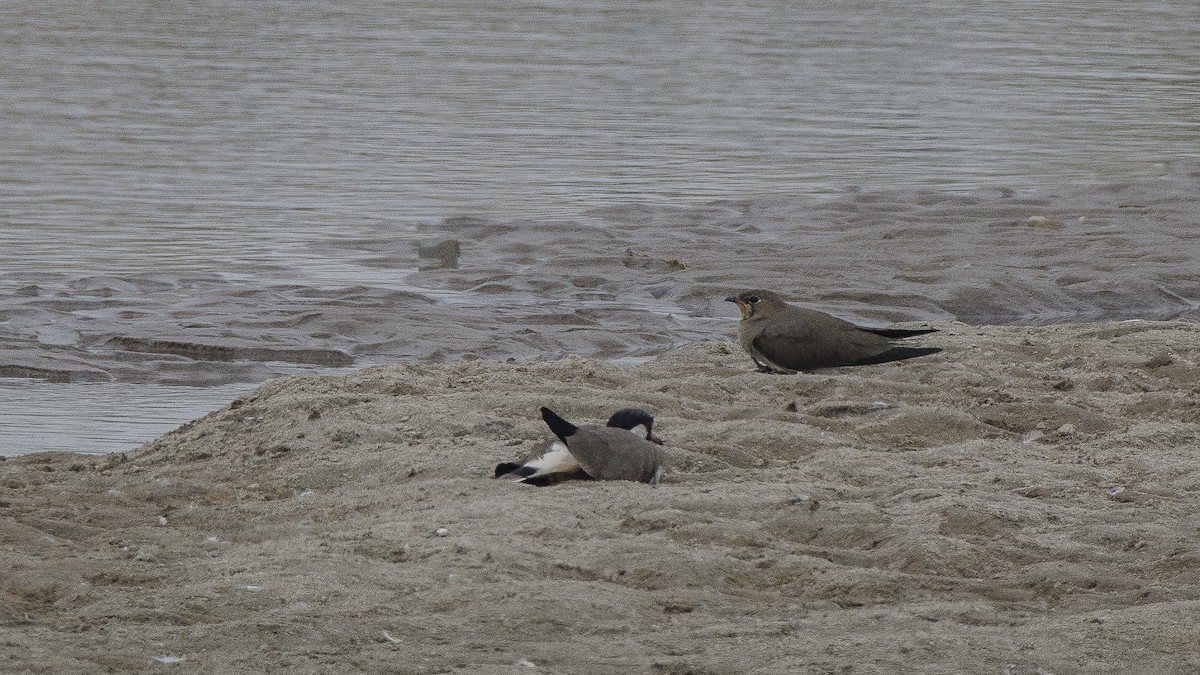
[[556, 460]]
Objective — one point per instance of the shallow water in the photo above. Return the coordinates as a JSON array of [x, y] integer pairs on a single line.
[[219, 174], [102, 415]]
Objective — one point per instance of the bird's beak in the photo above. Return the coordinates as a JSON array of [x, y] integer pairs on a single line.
[[744, 308], [654, 439]]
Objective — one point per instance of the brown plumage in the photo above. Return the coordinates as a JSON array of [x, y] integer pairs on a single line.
[[608, 453], [782, 338], [591, 452]]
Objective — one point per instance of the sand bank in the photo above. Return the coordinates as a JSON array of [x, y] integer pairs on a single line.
[[1026, 501]]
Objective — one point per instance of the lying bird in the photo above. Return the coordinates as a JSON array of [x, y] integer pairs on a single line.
[[786, 339], [592, 452]]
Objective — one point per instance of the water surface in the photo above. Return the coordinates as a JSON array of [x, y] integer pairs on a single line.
[[288, 149]]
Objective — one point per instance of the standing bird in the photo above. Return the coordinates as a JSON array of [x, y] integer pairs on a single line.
[[625, 449], [786, 339]]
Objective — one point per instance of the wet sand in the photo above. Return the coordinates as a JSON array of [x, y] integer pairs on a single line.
[[1024, 502], [626, 281]]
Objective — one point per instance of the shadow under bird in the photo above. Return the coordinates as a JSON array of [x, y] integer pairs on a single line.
[[782, 338], [625, 449]]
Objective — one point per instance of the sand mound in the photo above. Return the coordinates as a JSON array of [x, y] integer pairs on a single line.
[[1026, 501]]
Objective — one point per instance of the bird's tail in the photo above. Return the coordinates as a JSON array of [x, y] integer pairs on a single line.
[[897, 354], [561, 428], [507, 469], [523, 473], [900, 333], [545, 479]]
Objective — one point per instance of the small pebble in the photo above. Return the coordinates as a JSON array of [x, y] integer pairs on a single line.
[[441, 532]]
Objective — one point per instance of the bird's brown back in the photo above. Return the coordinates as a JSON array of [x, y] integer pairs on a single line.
[[805, 339], [615, 454]]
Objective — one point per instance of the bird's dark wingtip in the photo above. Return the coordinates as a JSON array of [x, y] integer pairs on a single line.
[[561, 428]]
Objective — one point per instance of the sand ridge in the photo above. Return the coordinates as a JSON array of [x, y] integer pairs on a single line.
[[1024, 502]]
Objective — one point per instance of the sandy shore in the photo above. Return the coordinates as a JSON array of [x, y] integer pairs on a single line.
[[1024, 502]]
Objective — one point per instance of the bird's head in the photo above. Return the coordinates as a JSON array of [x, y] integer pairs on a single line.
[[754, 301], [635, 420]]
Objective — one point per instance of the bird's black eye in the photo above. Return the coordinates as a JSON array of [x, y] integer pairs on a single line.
[[752, 299]]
